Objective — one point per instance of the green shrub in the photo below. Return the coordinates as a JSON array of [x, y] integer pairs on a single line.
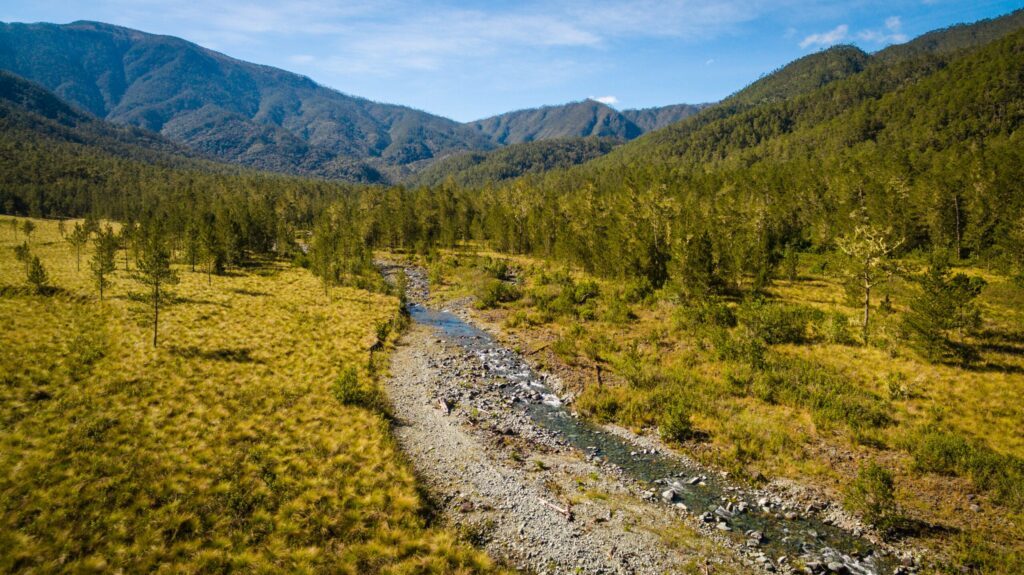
[[777, 323], [637, 290], [948, 452], [497, 269], [741, 346], [873, 495], [833, 327], [495, 292], [675, 424], [635, 369], [706, 313], [348, 390]]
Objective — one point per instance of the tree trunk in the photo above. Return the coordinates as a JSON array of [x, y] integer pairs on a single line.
[[956, 209], [156, 311], [867, 313]]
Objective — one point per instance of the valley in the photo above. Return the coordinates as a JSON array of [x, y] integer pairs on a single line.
[[250, 323]]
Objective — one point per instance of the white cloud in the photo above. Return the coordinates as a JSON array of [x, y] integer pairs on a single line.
[[833, 36], [709, 61], [606, 100], [890, 34]]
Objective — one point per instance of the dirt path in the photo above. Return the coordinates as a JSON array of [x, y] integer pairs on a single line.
[[538, 507]]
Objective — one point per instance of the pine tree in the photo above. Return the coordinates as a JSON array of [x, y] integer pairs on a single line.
[[78, 238], [699, 273], [942, 312], [155, 272], [29, 228], [102, 263], [37, 275]]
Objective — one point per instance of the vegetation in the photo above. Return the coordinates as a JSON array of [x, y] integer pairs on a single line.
[[226, 448]]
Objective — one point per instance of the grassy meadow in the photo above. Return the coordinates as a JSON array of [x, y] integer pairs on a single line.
[[781, 387], [226, 448]]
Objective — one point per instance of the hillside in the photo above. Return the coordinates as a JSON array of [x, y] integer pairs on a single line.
[[31, 111], [650, 119], [477, 169], [228, 109], [577, 119]]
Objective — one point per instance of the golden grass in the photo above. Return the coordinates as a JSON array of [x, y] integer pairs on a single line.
[[222, 449], [748, 434]]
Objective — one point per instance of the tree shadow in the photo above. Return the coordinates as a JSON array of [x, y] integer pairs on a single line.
[[234, 355]]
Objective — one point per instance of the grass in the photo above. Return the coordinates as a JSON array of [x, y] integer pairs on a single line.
[[226, 448], [780, 387]]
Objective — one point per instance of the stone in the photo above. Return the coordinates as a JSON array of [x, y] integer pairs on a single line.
[[668, 495], [723, 526]]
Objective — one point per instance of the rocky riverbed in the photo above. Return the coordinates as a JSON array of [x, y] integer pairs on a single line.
[[488, 435]]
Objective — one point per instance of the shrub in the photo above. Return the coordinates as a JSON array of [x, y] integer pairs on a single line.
[[833, 327], [706, 313], [637, 290], [495, 292], [348, 390], [635, 369], [675, 424], [618, 312], [873, 495], [497, 269], [948, 452], [777, 323]]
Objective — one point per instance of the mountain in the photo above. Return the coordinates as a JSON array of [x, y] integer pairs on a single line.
[[803, 75], [576, 119], [650, 119], [232, 110], [29, 112], [477, 169]]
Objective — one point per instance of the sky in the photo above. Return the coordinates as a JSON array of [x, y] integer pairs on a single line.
[[469, 60]]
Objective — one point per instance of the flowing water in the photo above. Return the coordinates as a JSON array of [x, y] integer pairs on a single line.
[[817, 544]]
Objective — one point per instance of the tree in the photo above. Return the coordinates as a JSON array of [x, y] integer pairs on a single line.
[[869, 263], [62, 228], [325, 253], [78, 238], [37, 275], [23, 255], [125, 239], [943, 307], [211, 250], [29, 228], [155, 272], [102, 263], [873, 494], [699, 273]]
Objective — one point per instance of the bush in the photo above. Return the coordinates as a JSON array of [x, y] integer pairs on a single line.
[[873, 495], [707, 313], [777, 323], [636, 370], [495, 292], [833, 327], [948, 452], [349, 391], [637, 290], [675, 424], [497, 269]]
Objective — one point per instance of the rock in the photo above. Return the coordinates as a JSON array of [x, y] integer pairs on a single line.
[[791, 516], [668, 495], [723, 526], [837, 567]]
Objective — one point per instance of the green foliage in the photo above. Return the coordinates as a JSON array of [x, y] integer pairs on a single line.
[[36, 275], [832, 327], [939, 449], [776, 323], [348, 390], [942, 312], [102, 263], [495, 292], [155, 272], [675, 424], [873, 495]]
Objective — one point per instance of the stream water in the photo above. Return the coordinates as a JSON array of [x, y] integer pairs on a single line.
[[821, 547]]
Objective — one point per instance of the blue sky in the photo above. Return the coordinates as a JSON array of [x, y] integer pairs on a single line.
[[468, 60]]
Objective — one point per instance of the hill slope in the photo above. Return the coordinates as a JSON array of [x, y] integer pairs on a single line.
[[235, 111], [577, 119], [477, 169]]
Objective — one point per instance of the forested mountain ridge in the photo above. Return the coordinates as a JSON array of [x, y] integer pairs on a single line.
[[30, 115], [579, 119], [576, 119], [649, 119], [239, 112], [477, 169]]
